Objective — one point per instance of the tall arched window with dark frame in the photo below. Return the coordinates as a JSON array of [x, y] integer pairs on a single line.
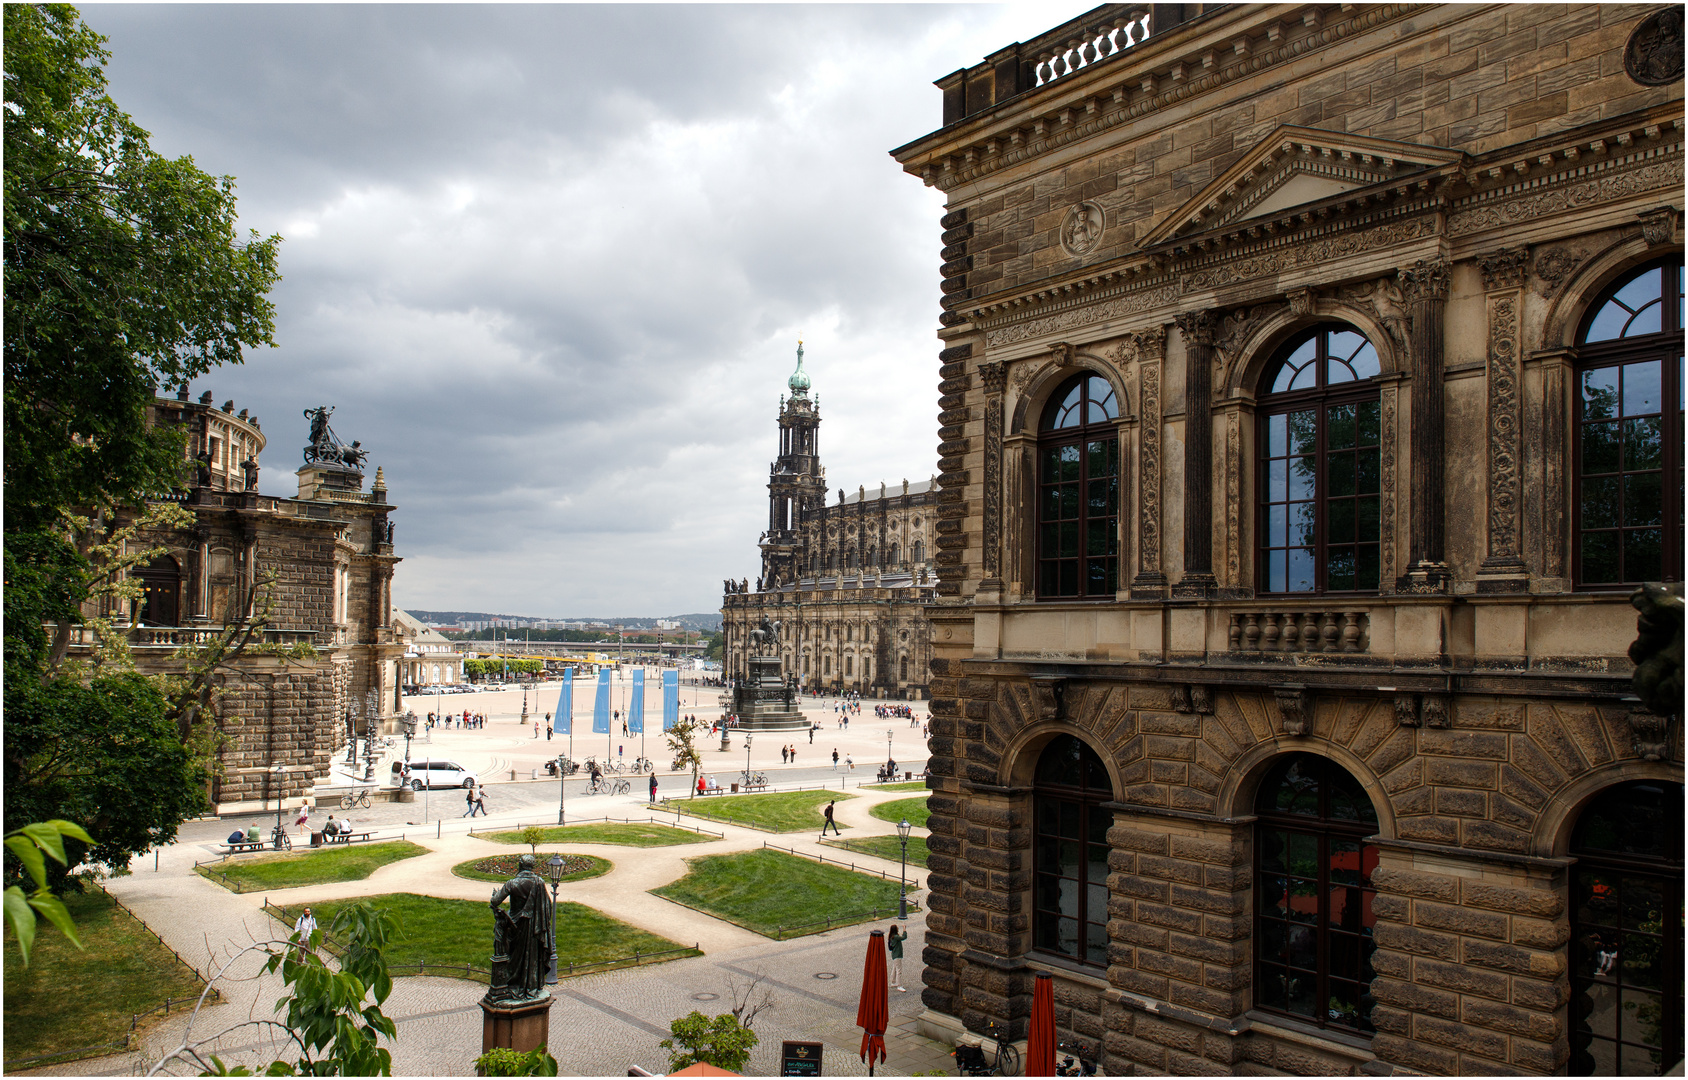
[[1628, 461], [1078, 492], [1320, 484]]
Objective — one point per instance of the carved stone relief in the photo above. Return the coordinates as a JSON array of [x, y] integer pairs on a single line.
[[1406, 710], [1301, 302], [1649, 733], [1146, 348], [1233, 500], [1201, 699], [1386, 538], [1503, 425], [1554, 266], [1499, 215], [994, 376], [1233, 330], [1502, 269], [1081, 229], [1433, 710], [1294, 709], [1384, 300], [1426, 279], [1653, 55], [1658, 227], [993, 480], [1047, 695]]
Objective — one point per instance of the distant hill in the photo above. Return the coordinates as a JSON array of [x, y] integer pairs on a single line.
[[709, 620]]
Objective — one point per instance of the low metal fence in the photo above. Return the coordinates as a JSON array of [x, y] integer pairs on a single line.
[[913, 883], [519, 826]]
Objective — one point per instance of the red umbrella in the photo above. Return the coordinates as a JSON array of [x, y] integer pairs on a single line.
[[874, 1011], [1040, 1042]]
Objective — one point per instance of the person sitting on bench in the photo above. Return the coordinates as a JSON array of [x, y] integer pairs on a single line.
[[237, 837]]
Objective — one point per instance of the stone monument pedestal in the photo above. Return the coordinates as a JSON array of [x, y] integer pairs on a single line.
[[764, 701], [519, 1026]]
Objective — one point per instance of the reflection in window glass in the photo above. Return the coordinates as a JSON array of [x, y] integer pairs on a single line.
[[1079, 492]]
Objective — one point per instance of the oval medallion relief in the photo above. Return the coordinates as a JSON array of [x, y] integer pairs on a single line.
[[1081, 229]]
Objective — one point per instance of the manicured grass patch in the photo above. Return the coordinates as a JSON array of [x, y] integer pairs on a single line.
[[628, 835], [913, 809], [780, 811], [918, 785], [504, 866], [778, 895], [888, 847], [448, 933], [69, 998], [348, 863]]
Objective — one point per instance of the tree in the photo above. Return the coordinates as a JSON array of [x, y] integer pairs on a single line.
[[682, 740], [722, 1042], [123, 271]]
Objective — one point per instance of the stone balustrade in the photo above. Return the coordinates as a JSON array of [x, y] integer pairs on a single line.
[[1300, 632], [1053, 59]]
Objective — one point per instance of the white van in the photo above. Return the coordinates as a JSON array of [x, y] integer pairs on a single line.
[[433, 774]]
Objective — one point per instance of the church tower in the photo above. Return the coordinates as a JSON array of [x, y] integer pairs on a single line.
[[796, 480]]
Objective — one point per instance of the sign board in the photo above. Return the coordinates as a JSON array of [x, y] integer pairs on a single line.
[[800, 1059]]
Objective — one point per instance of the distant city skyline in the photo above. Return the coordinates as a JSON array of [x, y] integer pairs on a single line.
[[558, 302]]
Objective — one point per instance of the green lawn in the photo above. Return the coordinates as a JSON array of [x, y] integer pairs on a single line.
[[628, 835], [350, 862], [913, 809], [443, 933], [778, 895], [888, 847], [918, 785], [69, 999], [504, 866], [781, 811]]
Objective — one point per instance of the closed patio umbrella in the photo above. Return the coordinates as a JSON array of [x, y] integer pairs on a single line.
[[1040, 1041], [874, 1011]]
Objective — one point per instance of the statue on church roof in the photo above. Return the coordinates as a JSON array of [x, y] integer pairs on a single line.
[[799, 381]]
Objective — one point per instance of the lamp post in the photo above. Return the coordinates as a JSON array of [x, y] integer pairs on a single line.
[[747, 762], [409, 722], [279, 772], [562, 790], [554, 870], [902, 875]]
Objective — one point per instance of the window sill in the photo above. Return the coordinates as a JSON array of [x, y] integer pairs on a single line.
[[1064, 967], [1311, 1035]]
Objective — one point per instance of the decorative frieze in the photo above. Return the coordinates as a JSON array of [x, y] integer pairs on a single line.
[[1422, 710]]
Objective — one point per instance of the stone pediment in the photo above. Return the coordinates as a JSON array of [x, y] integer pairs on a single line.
[[1294, 167]]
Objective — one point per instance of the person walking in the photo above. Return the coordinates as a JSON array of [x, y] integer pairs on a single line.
[[303, 928], [812, 729], [304, 819], [653, 787], [547, 727], [894, 941], [480, 800], [835, 759], [829, 821], [469, 802]]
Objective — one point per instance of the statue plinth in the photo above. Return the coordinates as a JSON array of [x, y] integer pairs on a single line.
[[515, 1025], [764, 701]]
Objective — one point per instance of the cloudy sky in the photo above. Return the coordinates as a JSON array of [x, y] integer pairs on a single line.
[[551, 262]]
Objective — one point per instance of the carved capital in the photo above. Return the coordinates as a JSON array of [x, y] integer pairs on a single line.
[[1063, 351], [1198, 327], [1426, 279], [1048, 692], [1201, 699], [1658, 227], [1180, 697], [1433, 710], [1147, 344], [1295, 709], [994, 375], [1503, 269], [1301, 301], [1406, 710]]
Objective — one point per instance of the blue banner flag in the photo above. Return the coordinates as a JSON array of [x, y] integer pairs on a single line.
[[636, 704], [601, 707], [670, 700], [562, 722]]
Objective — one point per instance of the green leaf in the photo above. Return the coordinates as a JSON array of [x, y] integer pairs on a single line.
[[52, 907], [29, 854], [46, 837], [22, 920]]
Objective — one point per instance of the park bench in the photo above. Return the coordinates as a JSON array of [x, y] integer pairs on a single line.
[[754, 787], [348, 837], [709, 791], [244, 845]]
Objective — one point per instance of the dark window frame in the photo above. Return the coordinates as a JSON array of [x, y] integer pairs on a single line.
[[1325, 830], [1594, 356], [1088, 802], [1049, 567]]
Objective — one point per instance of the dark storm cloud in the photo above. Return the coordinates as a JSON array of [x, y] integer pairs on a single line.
[[551, 262]]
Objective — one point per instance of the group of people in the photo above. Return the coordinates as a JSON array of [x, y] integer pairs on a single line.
[[788, 752], [450, 720], [475, 798], [849, 763]]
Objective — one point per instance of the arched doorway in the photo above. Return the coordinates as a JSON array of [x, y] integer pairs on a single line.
[[160, 582], [1626, 932], [1070, 852]]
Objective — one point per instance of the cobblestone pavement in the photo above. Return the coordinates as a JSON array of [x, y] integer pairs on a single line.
[[601, 1023]]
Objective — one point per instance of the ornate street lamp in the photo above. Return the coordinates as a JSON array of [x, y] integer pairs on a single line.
[[562, 789], [903, 828], [409, 722], [554, 871], [747, 762], [280, 773]]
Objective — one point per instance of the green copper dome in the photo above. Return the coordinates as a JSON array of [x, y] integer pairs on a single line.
[[799, 381]]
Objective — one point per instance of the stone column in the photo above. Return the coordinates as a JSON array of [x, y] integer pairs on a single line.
[[1503, 570], [1198, 581], [1425, 286], [1146, 349]]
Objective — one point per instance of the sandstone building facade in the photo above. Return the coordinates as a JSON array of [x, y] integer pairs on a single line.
[[847, 581], [286, 710], [1311, 405]]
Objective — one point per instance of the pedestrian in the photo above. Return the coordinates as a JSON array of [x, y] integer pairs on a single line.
[[303, 929], [653, 787], [894, 941], [469, 801], [783, 758], [829, 821], [480, 799], [812, 729], [835, 759], [536, 729], [850, 761], [547, 727], [304, 820]]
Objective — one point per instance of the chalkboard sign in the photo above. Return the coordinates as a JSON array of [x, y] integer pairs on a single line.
[[800, 1059]]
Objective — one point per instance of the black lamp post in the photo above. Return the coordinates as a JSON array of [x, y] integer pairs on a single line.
[[747, 762], [902, 875], [562, 789], [554, 871], [280, 773], [409, 722]]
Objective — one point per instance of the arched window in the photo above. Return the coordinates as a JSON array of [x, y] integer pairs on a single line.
[[1078, 491], [1313, 918], [1629, 431], [896, 554], [849, 666], [826, 665], [1626, 932], [829, 562], [159, 580], [1320, 474], [902, 669], [872, 558], [1070, 855], [919, 552]]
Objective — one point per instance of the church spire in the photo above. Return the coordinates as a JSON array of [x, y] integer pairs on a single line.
[[799, 381]]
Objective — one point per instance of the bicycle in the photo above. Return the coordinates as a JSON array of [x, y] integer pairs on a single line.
[[756, 779], [644, 765], [279, 838], [355, 798], [620, 787], [1078, 1062], [970, 1060]]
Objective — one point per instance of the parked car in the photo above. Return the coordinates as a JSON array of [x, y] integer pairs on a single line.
[[437, 774]]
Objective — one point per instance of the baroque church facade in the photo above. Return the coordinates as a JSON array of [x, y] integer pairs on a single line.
[[846, 581], [326, 665], [1311, 408]]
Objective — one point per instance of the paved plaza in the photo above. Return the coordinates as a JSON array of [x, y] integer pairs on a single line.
[[600, 1024]]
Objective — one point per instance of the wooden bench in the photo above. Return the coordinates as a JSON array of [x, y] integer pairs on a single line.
[[347, 837], [709, 791], [754, 787], [244, 845]]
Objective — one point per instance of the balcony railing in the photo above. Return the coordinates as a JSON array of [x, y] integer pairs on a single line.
[[1300, 632], [175, 637]]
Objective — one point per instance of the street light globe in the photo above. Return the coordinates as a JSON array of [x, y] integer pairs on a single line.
[[555, 864], [903, 828]]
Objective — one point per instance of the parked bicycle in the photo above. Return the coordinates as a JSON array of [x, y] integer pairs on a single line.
[[607, 786], [754, 779], [1080, 1060], [970, 1060], [355, 798], [643, 765], [279, 838]]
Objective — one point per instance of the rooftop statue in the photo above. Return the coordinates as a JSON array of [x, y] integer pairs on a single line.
[[325, 448]]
